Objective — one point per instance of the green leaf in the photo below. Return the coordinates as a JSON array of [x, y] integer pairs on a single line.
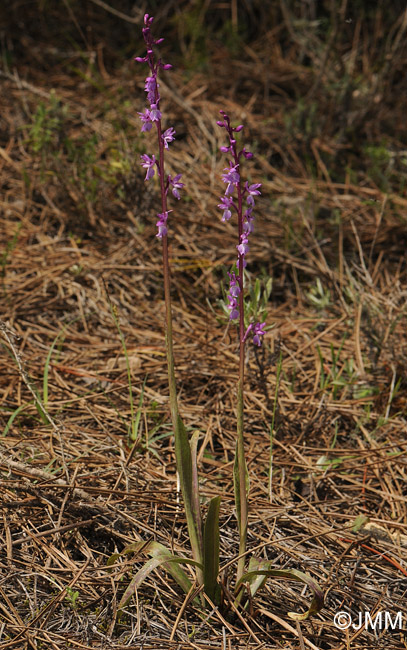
[[184, 467], [167, 559], [256, 582], [359, 522], [13, 416], [211, 551], [268, 288], [290, 574], [196, 507]]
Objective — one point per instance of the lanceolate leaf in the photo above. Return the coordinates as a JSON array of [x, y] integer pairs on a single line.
[[211, 551], [241, 488], [184, 467], [196, 507], [157, 552], [165, 560], [290, 574]]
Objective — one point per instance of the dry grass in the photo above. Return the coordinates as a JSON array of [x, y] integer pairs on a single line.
[[74, 490]]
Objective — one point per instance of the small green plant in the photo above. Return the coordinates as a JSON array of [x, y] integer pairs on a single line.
[[72, 597], [86, 173], [318, 296], [193, 35], [379, 164], [304, 119], [339, 377], [46, 132], [37, 399], [255, 301]]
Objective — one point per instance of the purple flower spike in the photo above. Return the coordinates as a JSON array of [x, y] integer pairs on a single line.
[[148, 163], [168, 136], [151, 115], [258, 332]]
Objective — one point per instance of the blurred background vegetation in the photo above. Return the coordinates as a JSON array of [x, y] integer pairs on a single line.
[[339, 66]]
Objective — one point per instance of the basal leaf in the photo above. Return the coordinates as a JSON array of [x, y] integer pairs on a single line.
[[196, 507], [184, 467], [165, 560], [290, 574], [211, 551], [156, 551]]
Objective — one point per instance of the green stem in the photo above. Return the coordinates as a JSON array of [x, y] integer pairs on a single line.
[[242, 471], [241, 460]]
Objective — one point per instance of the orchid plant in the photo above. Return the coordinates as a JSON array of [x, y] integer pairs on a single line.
[[238, 198]]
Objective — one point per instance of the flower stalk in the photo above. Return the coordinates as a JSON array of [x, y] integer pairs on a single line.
[[245, 219], [183, 454]]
